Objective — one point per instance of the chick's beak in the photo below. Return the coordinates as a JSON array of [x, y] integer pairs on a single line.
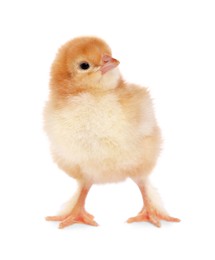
[[108, 63]]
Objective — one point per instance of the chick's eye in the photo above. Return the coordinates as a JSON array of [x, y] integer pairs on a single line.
[[84, 65]]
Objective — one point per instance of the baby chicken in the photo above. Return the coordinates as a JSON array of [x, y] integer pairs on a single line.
[[101, 129]]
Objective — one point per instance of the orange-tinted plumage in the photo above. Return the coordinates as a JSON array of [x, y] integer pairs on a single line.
[[100, 128]]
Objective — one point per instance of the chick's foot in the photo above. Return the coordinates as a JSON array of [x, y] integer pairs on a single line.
[[63, 217], [152, 216], [153, 210], [78, 214], [81, 217]]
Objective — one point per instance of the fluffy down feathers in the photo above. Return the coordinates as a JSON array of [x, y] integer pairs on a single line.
[[101, 129]]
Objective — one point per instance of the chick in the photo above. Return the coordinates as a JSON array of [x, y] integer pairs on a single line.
[[101, 129]]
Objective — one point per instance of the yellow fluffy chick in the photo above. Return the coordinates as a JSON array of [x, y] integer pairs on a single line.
[[101, 129]]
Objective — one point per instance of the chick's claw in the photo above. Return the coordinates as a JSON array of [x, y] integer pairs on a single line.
[[56, 218], [144, 217], [81, 218], [69, 219], [152, 217]]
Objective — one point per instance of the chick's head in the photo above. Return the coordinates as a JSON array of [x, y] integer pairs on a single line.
[[84, 63]]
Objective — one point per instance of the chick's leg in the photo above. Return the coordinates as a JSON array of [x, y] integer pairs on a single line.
[[78, 213], [152, 211]]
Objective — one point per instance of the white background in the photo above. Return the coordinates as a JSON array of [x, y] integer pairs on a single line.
[[168, 46]]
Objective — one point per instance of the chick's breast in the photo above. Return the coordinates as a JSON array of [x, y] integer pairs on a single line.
[[94, 133]]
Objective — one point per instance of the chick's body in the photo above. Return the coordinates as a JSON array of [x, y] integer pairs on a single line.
[[95, 133], [101, 129]]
